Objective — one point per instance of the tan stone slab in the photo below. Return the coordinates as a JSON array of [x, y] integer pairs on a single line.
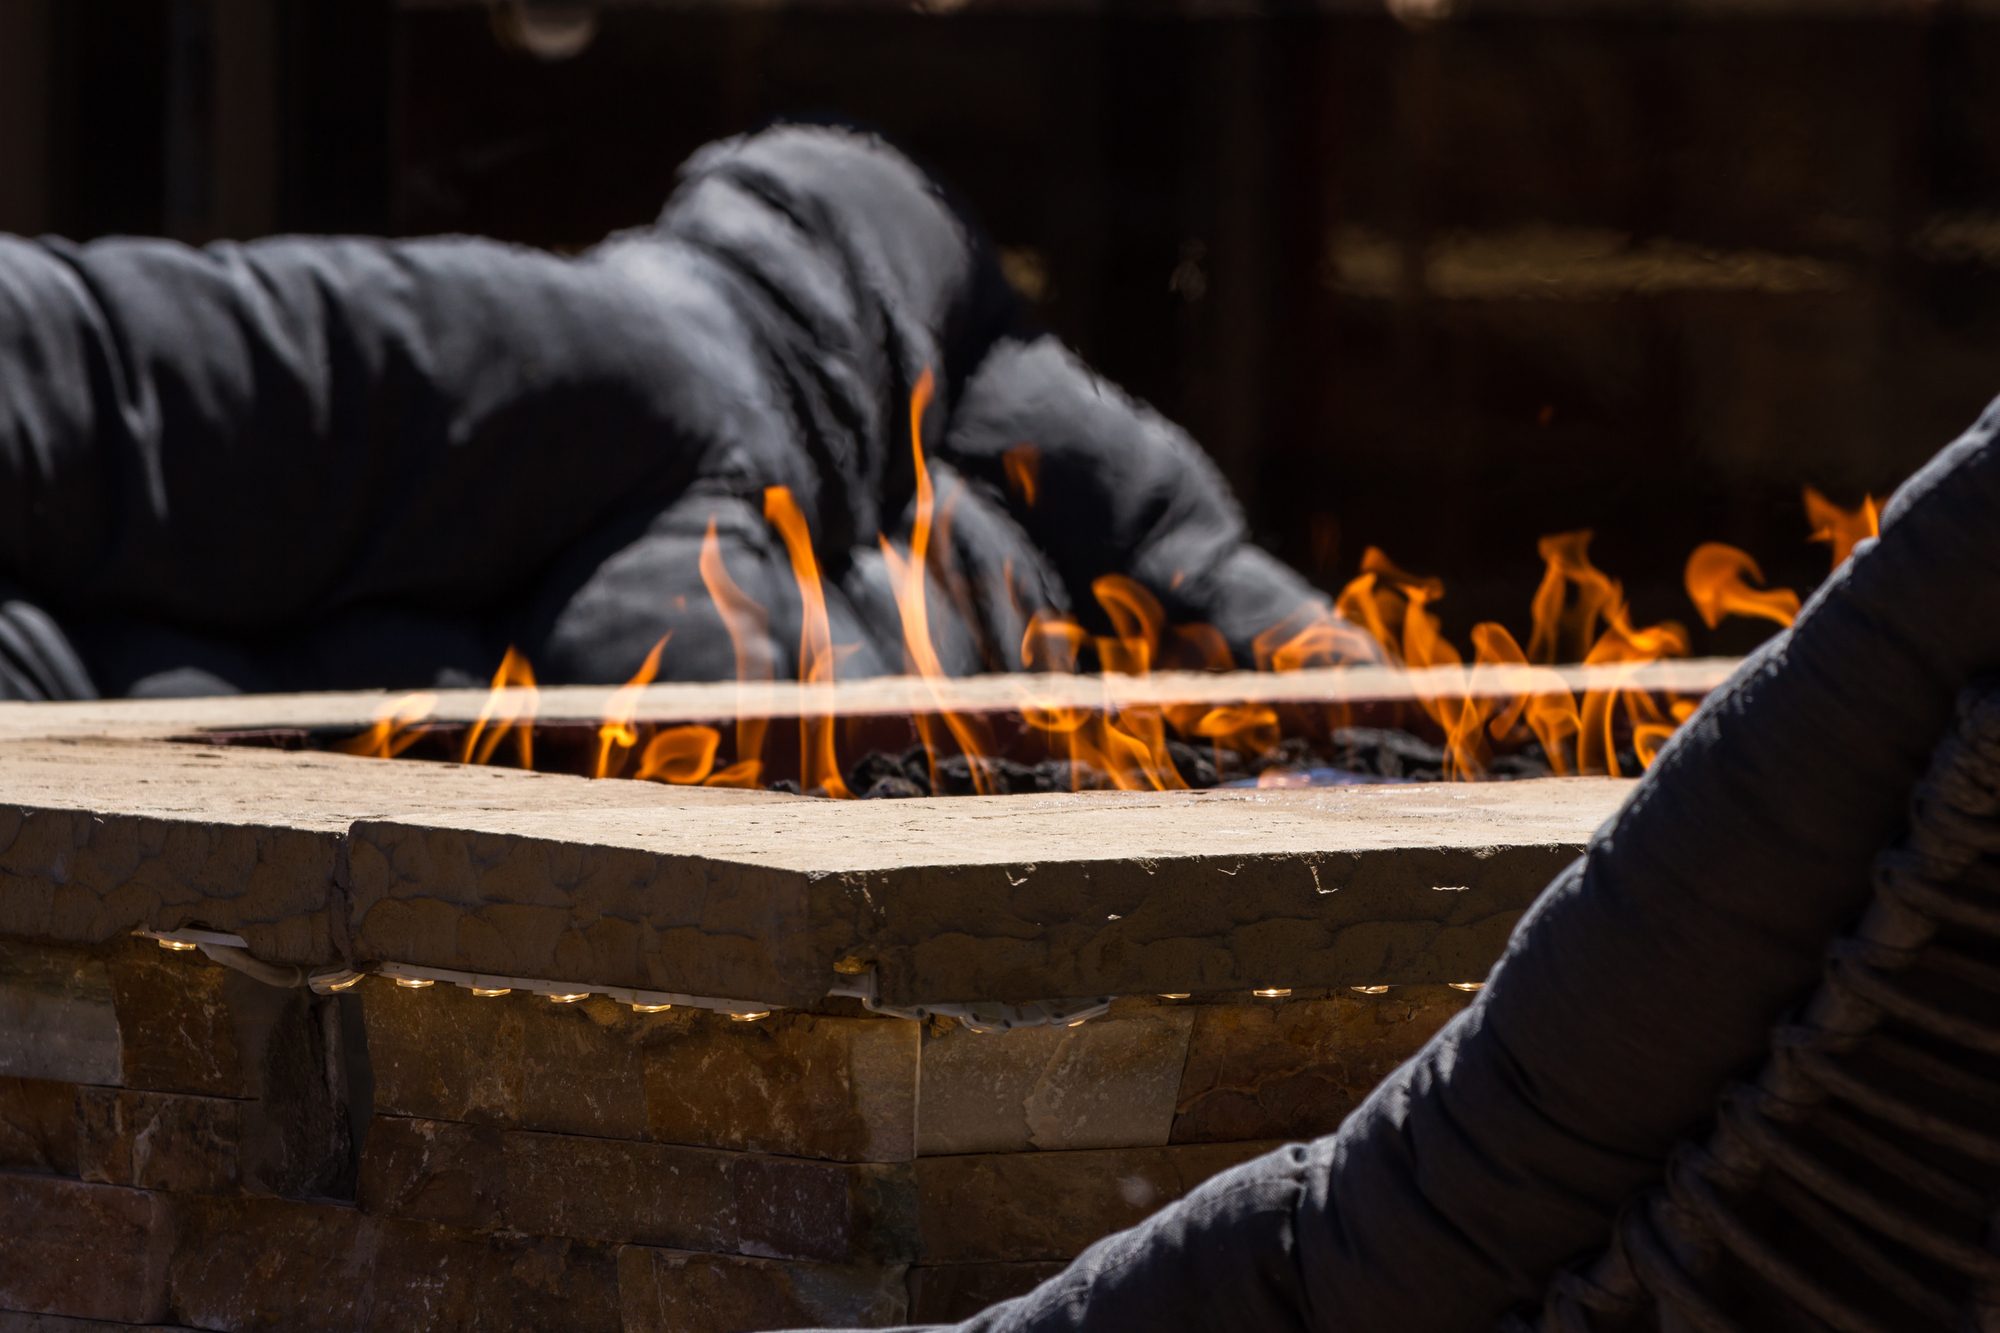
[[981, 898], [316, 858], [101, 836]]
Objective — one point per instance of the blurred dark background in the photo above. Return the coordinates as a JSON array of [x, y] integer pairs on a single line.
[[1435, 279]]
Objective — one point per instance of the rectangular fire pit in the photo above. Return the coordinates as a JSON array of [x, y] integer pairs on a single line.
[[483, 1104]]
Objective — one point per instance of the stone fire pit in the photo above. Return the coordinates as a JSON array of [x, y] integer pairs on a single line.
[[814, 1132]]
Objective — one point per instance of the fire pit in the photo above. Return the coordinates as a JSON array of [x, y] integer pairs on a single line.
[[666, 1056], [705, 1051]]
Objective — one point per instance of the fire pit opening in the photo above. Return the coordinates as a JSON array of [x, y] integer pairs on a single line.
[[1370, 689]]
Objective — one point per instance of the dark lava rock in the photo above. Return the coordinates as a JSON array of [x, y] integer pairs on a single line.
[[888, 786]]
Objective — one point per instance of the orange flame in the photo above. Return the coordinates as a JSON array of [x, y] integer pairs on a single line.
[[818, 766], [1385, 614], [616, 737], [1248, 729], [749, 629], [1124, 745], [1842, 529], [909, 578], [1559, 624], [1053, 644], [510, 707], [1551, 717], [1718, 583], [681, 755], [394, 729], [1131, 740], [1243, 729]]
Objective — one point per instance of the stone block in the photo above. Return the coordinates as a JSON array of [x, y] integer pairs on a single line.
[[191, 1027], [176, 1021], [434, 1170], [1110, 1083], [1295, 1070], [269, 1263], [599, 1048], [806, 1085], [91, 1251], [486, 1179], [38, 1126], [948, 1293], [159, 1141], [667, 1292], [795, 1208], [549, 1184], [427, 1277], [57, 1020], [446, 1054], [1050, 1205]]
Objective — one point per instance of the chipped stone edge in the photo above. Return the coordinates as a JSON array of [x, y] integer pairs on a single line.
[[606, 916]]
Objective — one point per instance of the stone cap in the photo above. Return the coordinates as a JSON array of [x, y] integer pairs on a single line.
[[108, 825]]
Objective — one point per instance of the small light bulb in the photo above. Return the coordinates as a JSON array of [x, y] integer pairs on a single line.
[[1369, 990], [1466, 985], [750, 1017], [345, 983], [178, 946], [488, 992], [1076, 1022], [1175, 994], [1272, 992], [415, 983], [569, 997], [638, 1008]]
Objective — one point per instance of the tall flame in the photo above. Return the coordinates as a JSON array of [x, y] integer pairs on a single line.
[[909, 578], [818, 766]]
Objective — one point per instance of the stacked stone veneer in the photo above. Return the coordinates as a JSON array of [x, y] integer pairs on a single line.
[[182, 1146]]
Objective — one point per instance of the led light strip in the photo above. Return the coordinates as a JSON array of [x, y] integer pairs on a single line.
[[233, 951], [855, 981], [490, 985]]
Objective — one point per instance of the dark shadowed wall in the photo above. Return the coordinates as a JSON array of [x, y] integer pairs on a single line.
[[1441, 288]]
